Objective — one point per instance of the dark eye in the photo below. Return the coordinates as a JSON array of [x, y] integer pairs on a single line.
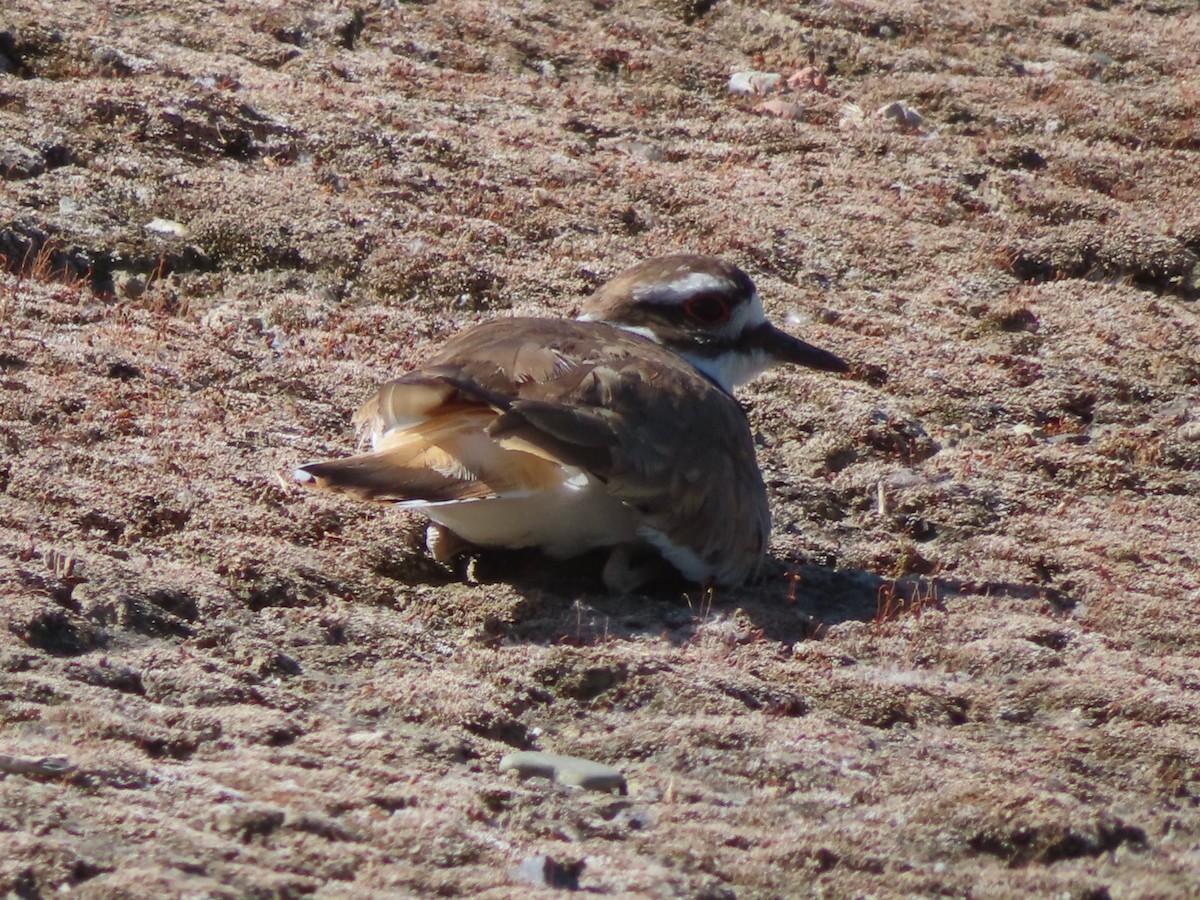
[[707, 309]]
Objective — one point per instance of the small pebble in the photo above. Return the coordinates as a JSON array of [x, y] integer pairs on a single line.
[[643, 150], [810, 78], [901, 113], [1068, 438], [166, 226], [18, 163], [115, 62], [781, 109], [754, 82], [546, 871], [129, 285], [1022, 430], [47, 766], [1190, 431], [122, 370], [568, 770]]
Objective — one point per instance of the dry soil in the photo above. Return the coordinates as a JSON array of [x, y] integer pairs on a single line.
[[970, 669]]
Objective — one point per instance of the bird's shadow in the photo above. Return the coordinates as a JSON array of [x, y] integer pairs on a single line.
[[791, 601]]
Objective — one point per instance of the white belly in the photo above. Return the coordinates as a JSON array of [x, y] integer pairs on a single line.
[[562, 522]]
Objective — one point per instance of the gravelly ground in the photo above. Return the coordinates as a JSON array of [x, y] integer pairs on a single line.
[[971, 669]]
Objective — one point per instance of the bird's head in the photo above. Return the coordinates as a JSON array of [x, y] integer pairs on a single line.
[[708, 312]]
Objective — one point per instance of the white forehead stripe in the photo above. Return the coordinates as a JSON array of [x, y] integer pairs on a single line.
[[748, 315]]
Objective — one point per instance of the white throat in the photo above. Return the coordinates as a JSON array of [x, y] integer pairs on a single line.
[[732, 368]]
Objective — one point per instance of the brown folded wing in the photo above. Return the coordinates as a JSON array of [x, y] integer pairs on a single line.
[[662, 437]]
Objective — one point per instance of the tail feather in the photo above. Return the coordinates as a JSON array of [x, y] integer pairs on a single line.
[[450, 458], [377, 476]]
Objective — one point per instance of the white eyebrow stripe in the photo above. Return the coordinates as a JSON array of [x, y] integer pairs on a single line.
[[692, 283]]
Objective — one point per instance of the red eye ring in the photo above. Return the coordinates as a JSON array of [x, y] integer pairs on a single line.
[[707, 309]]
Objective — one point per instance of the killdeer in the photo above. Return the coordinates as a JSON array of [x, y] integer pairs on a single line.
[[616, 430]]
